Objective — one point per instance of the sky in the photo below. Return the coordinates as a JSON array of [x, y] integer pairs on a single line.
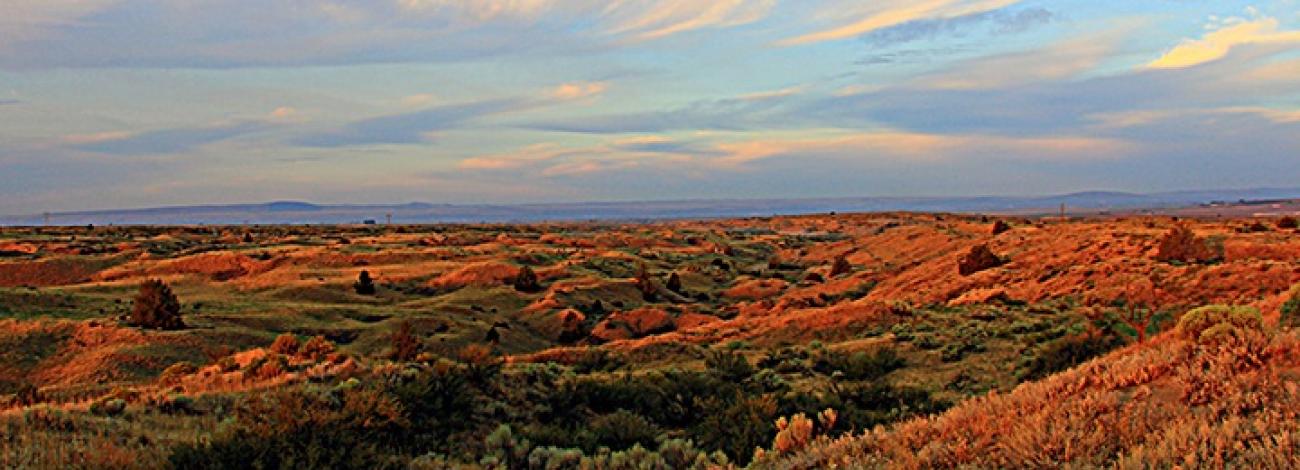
[[140, 103]]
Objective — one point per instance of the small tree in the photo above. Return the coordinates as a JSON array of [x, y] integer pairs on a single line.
[[674, 283], [1135, 301], [649, 291], [156, 307], [1287, 223], [841, 266], [364, 285], [1000, 227], [405, 344], [1181, 244], [526, 280]]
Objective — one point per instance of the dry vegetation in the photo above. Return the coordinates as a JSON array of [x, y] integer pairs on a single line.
[[821, 339]]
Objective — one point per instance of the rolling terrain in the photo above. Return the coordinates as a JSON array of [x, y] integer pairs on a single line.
[[935, 340]]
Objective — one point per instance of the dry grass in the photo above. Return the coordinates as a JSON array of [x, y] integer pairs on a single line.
[[1170, 403]]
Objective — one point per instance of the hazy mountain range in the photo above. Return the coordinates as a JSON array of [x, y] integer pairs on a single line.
[[290, 212]]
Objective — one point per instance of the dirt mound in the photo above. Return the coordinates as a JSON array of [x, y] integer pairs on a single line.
[[632, 324], [756, 289], [52, 272], [486, 273]]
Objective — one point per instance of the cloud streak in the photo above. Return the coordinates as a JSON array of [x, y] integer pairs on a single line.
[[1217, 44], [876, 16]]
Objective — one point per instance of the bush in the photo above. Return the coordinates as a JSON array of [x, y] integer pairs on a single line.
[[1290, 314], [623, 429], [296, 428], [286, 343], [1182, 245], [1287, 223], [28, 394], [317, 348], [1065, 353], [173, 373], [405, 344], [1000, 227], [156, 307], [859, 365], [674, 283], [729, 366], [840, 267], [108, 406], [526, 280], [364, 285], [1213, 324]]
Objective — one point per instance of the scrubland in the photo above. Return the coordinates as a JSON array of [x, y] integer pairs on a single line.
[[850, 341]]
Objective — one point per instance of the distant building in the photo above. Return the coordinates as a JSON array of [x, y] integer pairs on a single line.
[[368, 222]]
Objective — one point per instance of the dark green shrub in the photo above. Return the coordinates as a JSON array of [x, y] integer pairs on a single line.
[[859, 365], [364, 285], [1291, 310], [295, 428], [730, 366], [622, 429], [1065, 353]]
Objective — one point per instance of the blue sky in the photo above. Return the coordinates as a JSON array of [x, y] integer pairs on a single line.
[[129, 103]]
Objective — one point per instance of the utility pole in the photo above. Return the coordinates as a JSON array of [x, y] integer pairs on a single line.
[[47, 218], [389, 216], [1062, 210]]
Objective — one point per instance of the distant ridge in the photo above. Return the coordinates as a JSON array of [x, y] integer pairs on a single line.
[[298, 212]]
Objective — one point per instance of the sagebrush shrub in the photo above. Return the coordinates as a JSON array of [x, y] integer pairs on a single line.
[[1290, 312], [1213, 324]]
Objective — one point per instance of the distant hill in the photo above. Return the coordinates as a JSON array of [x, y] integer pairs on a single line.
[[295, 212]]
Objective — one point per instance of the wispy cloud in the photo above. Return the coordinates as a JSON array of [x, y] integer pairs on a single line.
[[220, 34], [736, 113], [1004, 21], [912, 146], [413, 127], [162, 141], [1218, 43], [867, 17]]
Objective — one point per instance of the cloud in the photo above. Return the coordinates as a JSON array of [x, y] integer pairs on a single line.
[[651, 19], [412, 127], [737, 113], [27, 20], [913, 146], [418, 100], [997, 22], [555, 160], [579, 90], [162, 141], [289, 33], [875, 16], [1218, 43]]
